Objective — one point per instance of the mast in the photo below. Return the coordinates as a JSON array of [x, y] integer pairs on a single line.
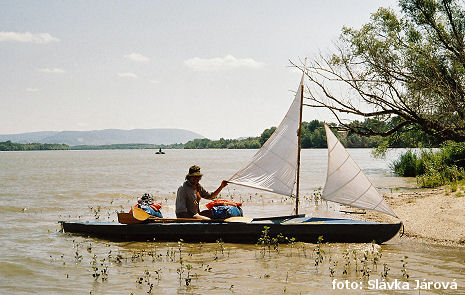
[[299, 135], [274, 167]]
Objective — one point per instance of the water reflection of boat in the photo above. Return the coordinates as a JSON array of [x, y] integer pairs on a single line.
[[274, 168], [160, 152]]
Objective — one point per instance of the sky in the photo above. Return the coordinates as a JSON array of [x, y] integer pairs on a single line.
[[219, 68]]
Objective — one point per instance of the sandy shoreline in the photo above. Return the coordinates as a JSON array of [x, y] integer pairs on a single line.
[[429, 215]]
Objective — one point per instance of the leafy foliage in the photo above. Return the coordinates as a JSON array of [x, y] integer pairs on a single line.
[[409, 67], [11, 146], [125, 146], [314, 136], [434, 168], [204, 143], [408, 165]]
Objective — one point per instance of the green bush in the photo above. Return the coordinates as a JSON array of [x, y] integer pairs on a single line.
[[407, 165], [433, 168]]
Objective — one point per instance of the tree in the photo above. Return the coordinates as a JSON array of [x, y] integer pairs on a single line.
[[411, 67]]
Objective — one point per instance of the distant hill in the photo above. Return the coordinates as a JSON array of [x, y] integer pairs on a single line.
[[27, 137], [107, 136]]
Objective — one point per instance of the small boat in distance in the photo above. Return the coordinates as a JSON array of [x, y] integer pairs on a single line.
[[274, 168], [160, 152]]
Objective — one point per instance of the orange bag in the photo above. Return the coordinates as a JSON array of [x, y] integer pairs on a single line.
[[155, 207], [222, 202]]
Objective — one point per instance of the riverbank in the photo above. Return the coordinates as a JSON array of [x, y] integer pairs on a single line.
[[429, 215]]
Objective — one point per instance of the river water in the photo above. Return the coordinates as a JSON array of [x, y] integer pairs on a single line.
[[39, 188]]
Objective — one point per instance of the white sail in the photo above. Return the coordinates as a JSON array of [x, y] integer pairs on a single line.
[[346, 183], [274, 167]]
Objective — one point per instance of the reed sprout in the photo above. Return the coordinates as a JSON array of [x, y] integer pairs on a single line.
[[405, 275], [319, 253], [180, 260]]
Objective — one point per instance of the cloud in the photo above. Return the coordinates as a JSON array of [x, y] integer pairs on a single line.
[[154, 81], [32, 89], [27, 37], [221, 63], [137, 57], [52, 70], [128, 75]]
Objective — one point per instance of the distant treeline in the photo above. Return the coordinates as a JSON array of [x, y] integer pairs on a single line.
[[204, 143], [130, 146], [11, 146], [313, 136]]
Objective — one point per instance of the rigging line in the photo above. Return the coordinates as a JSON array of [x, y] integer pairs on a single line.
[[360, 170], [361, 194]]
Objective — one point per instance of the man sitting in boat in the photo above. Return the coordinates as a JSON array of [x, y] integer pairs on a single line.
[[190, 193]]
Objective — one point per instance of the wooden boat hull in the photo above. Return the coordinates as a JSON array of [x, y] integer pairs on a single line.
[[302, 229]]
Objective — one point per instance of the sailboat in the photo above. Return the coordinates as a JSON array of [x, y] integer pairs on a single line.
[[275, 168]]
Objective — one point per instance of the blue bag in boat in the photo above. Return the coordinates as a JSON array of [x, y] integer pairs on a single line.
[[225, 211], [150, 210]]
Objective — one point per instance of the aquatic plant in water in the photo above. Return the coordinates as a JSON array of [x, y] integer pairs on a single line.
[[145, 278], [265, 240], [405, 275], [384, 273], [332, 267], [365, 270], [319, 253], [346, 256]]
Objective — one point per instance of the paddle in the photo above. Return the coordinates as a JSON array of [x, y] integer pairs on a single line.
[[140, 214]]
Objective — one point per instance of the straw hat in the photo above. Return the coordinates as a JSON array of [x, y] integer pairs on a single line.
[[194, 171]]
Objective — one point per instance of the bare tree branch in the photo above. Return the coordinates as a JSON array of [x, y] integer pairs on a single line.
[[411, 69]]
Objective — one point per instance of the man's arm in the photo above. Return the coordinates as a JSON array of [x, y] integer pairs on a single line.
[[213, 195], [218, 190]]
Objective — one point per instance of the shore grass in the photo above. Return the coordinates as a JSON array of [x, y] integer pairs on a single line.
[[434, 168]]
